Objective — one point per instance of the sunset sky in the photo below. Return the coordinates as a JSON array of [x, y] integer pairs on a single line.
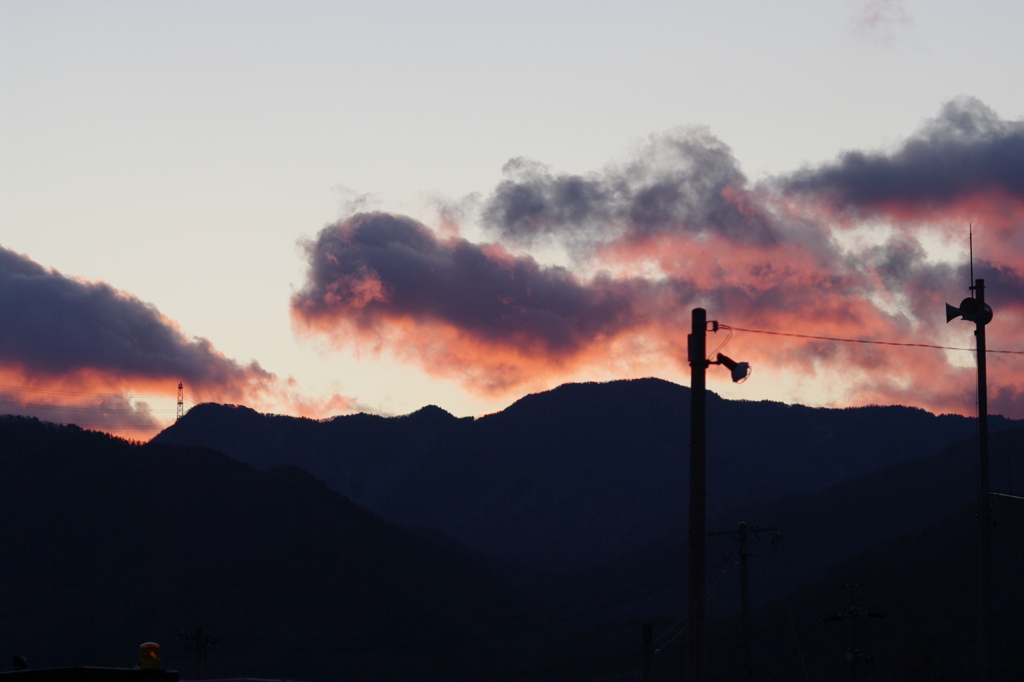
[[325, 207]]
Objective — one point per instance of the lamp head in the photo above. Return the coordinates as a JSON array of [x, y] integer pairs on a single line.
[[740, 370]]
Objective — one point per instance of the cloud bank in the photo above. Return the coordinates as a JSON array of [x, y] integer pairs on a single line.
[[494, 318], [64, 341], [965, 154], [685, 181], [868, 246]]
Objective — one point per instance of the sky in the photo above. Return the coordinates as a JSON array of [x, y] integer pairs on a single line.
[[319, 208]]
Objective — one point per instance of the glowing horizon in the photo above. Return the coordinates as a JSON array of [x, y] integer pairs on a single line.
[[240, 199]]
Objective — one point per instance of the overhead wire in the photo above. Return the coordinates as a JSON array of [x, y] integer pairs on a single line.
[[712, 355], [668, 630], [867, 341], [707, 594]]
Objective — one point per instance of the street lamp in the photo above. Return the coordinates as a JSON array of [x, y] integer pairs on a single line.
[[740, 370], [697, 607]]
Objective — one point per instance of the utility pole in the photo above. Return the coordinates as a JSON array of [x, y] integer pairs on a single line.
[[853, 613], [697, 351], [741, 533], [984, 505], [198, 642], [181, 401], [975, 310], [697, 545]]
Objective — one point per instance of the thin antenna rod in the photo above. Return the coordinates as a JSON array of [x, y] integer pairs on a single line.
[[970, 240]]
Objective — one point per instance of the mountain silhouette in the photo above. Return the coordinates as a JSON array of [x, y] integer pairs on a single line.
[[108, 544], [575, 477]]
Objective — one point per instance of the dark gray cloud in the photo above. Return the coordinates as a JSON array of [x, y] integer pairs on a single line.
[[684, 181], [55, 326], [680, 227], [374, 268], [966, 150]]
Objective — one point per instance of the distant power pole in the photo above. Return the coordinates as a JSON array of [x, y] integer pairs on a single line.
[[199, 643], [854, 655], [741, 533], [181, 401]]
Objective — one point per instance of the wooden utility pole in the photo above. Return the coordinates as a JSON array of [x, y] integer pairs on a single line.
[[853, 613], [199, 643], [741, 533], [697, 544], [697, 352]]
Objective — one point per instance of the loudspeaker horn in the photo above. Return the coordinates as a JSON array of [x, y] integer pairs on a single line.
[[970, 310]]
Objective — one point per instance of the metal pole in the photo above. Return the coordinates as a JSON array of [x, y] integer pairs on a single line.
[[698, 493], [984, 507], [742, 533]]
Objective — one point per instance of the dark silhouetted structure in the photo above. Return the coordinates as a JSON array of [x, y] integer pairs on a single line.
[[697, 545], [741, 533], [975, 310]]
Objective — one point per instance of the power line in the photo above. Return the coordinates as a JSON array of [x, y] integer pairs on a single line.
[[667, 631], [877, 343]]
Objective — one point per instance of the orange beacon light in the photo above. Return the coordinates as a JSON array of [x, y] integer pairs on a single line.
[[149, 656]]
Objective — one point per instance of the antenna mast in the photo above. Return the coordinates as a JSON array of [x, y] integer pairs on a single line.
[[181, 401], [970, 242]]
